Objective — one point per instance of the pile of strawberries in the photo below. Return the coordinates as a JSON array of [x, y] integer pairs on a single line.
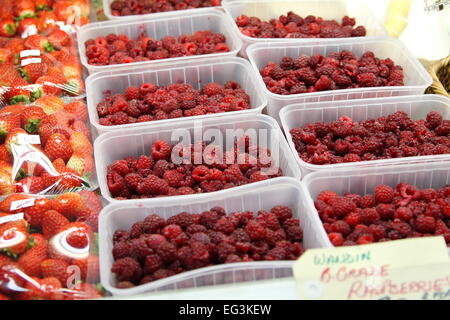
[[49, 252], [393, 136], [292, 25], [45, 146], [157, 248], [117, 49], [158, 175], [56, 70], [338, 70], [389, 214], [150, 102], [132, 7], [19, 17]]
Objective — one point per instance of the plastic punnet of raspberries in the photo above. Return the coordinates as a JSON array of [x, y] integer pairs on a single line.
[[133, 7], [404, 211], [170, 170], [190, 241], [392, 136], [292, 25], [51, 253], [150, 102], [336, 71], [118, 49]]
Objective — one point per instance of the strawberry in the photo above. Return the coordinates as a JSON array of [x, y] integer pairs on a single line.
[[43, 4], [69, 179], [10, 75], [57, 146], [13, 109], [56, 268], [46, 20], [69, 204], [31, 118], [50, 104], [52, 221], [31, 260], [46, 130], [6, 182], [4, 154], [31, 72], [82, 164], [15, 233], [5, 204], [89, 268], [50, 85], [81, 127], [7, 27], [5, 260], [24, 8], [81, 144], [12, 139], [72, 69], [11, 278], [42, 289], [20, 91], [30, 185], [7, 123], [92, 220], [78, 109], [91, 200], [38, 41], [74, 86], [35, 213], [27, 24], [79, 234], [58, 38], [83, 291], [5, 55]]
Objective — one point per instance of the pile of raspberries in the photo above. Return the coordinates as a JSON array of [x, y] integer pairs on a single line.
[[118, 49], [157, 175], [132, 7], [157, 248], [294, 26], [338, 70], [393, 136], [150, 102], [388, 214]]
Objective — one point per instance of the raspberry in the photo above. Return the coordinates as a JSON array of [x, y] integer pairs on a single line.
[[403, 213], [140, 249], [172, 231], [132, 93], [365, 239], [268, 220], [132, 180], [425, 224], [167, 252], [384, 193], [152, 185], [369, 216], [153, 223], [200, 173], [160, 150], [225, 225], [353, 219], [336, 239], [378, 231], [340, 227], [182, 219], [434, 119], [385, 211], [195, 228], [120, 235], [342, 206], [276, 254], [282, 212], [294, 233], [255, 230], [127, 269], [121, 250], [163, 273], [174, 178], [368, 201], [152, 264]]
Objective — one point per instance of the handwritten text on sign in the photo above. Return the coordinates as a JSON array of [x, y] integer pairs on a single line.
[[402, 269]]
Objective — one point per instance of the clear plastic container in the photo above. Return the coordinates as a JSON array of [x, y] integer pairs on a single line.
[[417, 107], [196, 73], [157, 27], [264, 196], [113, 146], [364, 180], [329, 9], [110, 16], [416, 78]]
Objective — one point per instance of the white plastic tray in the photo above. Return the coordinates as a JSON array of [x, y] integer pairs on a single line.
[[264, 196], [113, 146], [417, 107], [110, 16], [195, 73], [160, 26], [328, 9], [416, 78], [364, 180]]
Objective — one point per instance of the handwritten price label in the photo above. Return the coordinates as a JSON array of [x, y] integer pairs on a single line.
[[402, 269]]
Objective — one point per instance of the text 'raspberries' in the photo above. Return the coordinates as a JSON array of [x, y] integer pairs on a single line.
[[157, 248]]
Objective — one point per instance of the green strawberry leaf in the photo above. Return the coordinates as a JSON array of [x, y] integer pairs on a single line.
[[31, 242], [20, 174], [19, 98], [36, 94], [49, 47], [95, 249], [100, 288], [9, 253], [32, 125]]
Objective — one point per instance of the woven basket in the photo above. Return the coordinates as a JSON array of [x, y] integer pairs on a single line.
[[440, 72]]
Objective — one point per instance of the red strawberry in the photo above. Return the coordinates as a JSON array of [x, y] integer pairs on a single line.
[[11, 279], [5, 204], [91, 200], [39, 42], [10, 75], [81, 144], [81, 164], [31, 260], [31, 118], [35, 213], [56, 268], [74, 85], [69, 204], [89, 268], [12, 138], [78, 109], [24, 8], [51, 85], [31, 72], [83, 291], [46, 21], [46, 130], [4, 154], [20, 91], [8, 122], [52, 221], [43, 4], [81, 127], [7, 27], [30, 185], [27, 23], [58, 146], [6, 182], [43, 289], [14, 232], [50, 104], [5, 260]]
